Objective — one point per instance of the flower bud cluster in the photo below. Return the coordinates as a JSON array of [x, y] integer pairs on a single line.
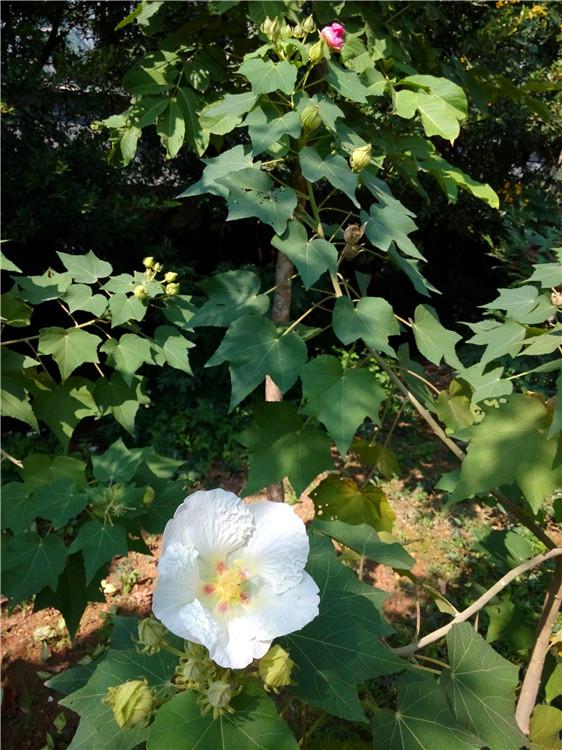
[[278, 29], [152, 269], [216, 686], [132, 703]]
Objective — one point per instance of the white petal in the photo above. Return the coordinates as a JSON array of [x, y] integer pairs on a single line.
[[178, 578], [214, 522], [237, 652], [272, 615], [195, 623], [279, 547]]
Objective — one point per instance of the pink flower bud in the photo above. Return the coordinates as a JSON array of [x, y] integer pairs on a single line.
[[333, 36]]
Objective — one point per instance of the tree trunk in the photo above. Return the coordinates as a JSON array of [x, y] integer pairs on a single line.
[[281, 313]]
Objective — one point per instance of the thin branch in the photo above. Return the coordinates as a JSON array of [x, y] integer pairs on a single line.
[[34, 338], [476, 606], [508, 504], [532, 680], [15, 461]]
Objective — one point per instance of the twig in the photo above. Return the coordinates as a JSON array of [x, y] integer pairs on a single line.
[[509, 505], [15, 461], [532, 679], [476, 606]]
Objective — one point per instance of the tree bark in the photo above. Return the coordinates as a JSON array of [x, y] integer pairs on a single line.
[[281, 313]]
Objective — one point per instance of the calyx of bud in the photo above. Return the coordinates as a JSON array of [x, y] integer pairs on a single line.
[[151, 634], [316, 52], [308, 26], [140, 292]]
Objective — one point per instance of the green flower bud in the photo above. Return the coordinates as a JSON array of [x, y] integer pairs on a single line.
[[188, 671], [265, 26], [131, 703], [310, 117], [298, 31], [170, 276], [316, 52], [170, 290], [360, 158], [275, 668], [140, 292], [274, 29], [309, 27], [152, 635], [148, 262], [158, 267], [285, 31], [149, 495], [219, 694]]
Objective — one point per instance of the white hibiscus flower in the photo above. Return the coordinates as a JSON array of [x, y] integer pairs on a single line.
[[231, 576]]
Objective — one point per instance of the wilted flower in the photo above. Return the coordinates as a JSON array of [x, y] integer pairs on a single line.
[[231, 576], [333, 36], [275, 668], [132, 703]]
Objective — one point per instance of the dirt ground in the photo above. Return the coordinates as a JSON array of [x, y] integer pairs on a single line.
[[36, 645]]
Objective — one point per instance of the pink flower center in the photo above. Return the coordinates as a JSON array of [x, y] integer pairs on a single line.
[[228, 587]]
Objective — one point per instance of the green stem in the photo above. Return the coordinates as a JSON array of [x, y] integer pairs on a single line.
[[320, 232], [34, 338]]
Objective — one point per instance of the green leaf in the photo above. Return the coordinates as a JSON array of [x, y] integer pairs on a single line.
[[117, 464], [498, 338], [14, 400], [366, 542], [64, 406], [311, 257], [72, 679], [255, 723], [59, 502], [251, 193], [508, 446], [79, 297], [390, 221], [14, 312], [98, 544], [233, 160], [518, 303], [190, 105], [122, 400], [377, 455], [480, 686], [261, 9], [508, 548], [486, 385], [39, 470], [18, 510], [231, 295], [124, 308], [450, 178], [224, 115], [423, 720], [254, 349], [7, 265], [508, 623], [265, 127], [266, 76], [153, 74], [171, 128], [547, 274], [440, 102], [372, 319], [344, 500], [333, 168], [69, 347], [173, 348], [553, 687], [281, 445], [433, 340], [454, 409], [128, 144], [545, 728], [411, 269], [98, 728], [31, 562], [38, 289], [340, 648], [347, 84], [340, 399], [122, 283], [128, 354], [556, 424], [85, 269], [169, 496]]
